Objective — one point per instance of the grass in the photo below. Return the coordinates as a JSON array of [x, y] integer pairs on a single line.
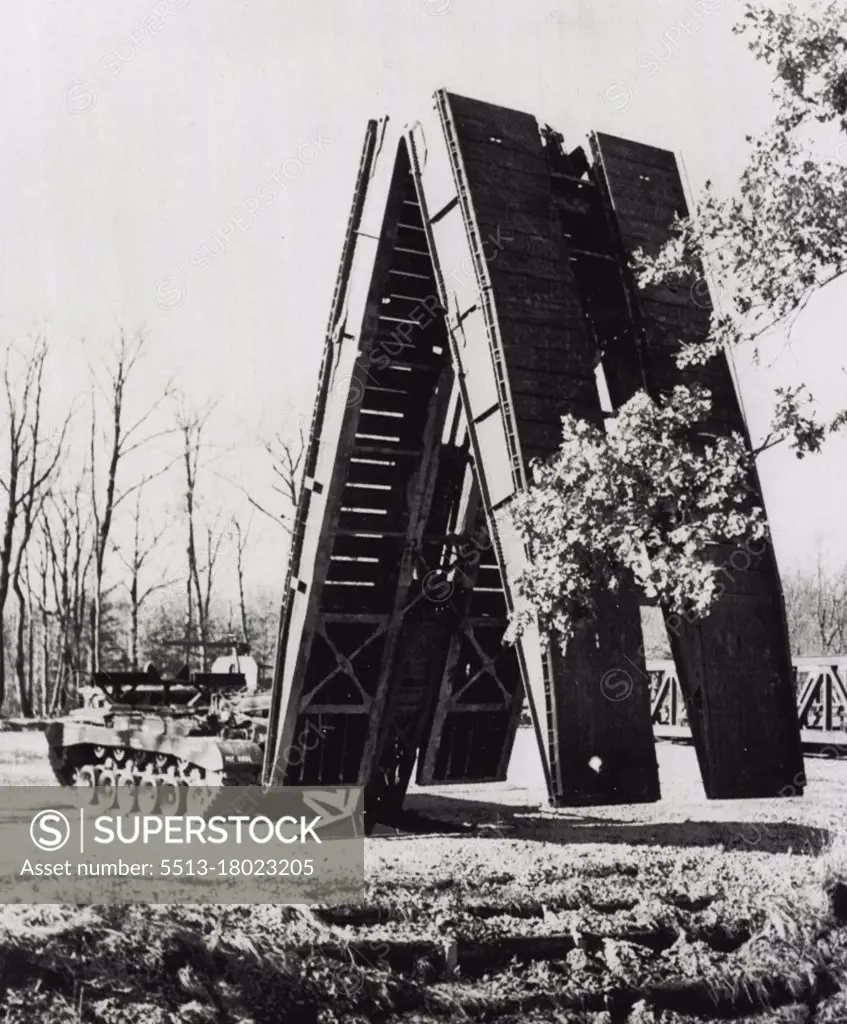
[[643, 935], [645, 915]]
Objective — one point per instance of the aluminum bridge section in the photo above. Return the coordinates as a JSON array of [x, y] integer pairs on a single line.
[[484, 291], [348, 689], [524, 357], [734, 665]]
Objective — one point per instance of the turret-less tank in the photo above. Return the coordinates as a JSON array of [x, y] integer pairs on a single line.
[[137, 728]]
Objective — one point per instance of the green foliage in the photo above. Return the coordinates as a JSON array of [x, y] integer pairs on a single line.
[[644, 504], [638, 504], [807, 48], [783, 236]]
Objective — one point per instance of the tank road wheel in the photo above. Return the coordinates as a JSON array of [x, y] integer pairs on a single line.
[[84, 777], [148, 795], [107, 782], [124, 781], [169, 797]]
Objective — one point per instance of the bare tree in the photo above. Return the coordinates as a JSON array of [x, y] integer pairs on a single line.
[[242, 536], [816, 608], [829, 607], [32, 460], [190, 425], [203, 571], [41, 597], [143, 546], [796, 592], [27, 680], [286, 459], [65, 526], [122, 438], [201, 560]]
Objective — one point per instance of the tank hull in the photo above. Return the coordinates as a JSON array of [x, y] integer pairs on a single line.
[[96, 750]]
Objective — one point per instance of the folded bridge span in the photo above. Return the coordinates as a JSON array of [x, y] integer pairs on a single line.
[[484, 278]]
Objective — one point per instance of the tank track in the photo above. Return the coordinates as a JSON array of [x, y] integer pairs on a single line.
[[87, 765]]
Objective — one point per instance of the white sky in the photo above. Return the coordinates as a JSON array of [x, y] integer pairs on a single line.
[[96, 207]]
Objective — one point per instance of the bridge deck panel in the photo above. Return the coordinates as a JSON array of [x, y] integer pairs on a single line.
[[734, 664]]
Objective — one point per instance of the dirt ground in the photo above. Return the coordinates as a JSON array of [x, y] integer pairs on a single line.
[[23, 762], [517, 809], [497, 908]]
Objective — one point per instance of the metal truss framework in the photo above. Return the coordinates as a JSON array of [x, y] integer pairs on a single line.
[[482, 282], [820, 685]]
